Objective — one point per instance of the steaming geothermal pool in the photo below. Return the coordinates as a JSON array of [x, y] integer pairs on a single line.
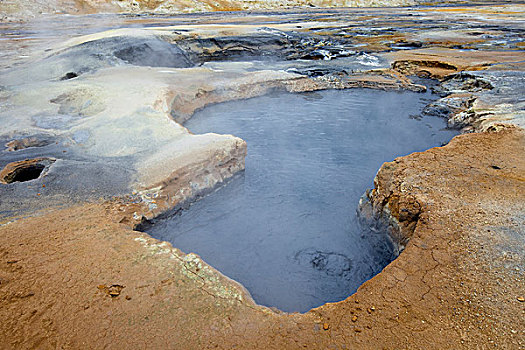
[[286, 228]]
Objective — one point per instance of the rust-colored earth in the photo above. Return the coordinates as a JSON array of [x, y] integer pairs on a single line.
[[80, 277], [75, 278]]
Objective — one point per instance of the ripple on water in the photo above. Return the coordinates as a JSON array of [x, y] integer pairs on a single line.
[[286, 228]]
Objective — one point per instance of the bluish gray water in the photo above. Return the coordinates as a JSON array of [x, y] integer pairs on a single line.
[[286, 228]]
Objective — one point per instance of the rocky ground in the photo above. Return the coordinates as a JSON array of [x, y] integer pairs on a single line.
[[93, 123], [21, 10]]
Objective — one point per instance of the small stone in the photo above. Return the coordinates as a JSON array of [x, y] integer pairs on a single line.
[[114, 290], [326, 326], [521, 299], [354, 319], [358, 330], [128, 297]]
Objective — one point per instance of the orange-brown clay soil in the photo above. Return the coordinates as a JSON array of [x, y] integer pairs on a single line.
[[75, 278]]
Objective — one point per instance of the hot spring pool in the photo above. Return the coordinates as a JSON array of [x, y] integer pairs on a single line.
[[286, 228]]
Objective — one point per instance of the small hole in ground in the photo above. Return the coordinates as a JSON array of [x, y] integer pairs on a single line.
[[69, 75], [25, 174], [27, 142], [24, 170]]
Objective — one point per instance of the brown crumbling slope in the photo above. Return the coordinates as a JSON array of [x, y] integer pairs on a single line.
[[77, 279]]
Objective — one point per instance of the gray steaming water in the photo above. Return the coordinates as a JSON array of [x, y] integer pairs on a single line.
[[287, 228]]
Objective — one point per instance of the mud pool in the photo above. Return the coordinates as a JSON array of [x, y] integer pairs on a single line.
[[287, 227]]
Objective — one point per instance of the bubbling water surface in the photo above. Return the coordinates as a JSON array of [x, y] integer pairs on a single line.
[[286, 228]]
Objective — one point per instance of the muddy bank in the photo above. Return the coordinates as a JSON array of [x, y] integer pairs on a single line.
[[457, 283], [100, 134]]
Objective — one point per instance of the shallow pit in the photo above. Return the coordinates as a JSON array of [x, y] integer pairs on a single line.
[[287, 228], [24, 170], [27, 142]]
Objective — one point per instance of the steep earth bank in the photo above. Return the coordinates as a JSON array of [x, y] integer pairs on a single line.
[[76, 278]]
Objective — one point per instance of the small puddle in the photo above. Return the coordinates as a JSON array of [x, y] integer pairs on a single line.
[[286, 228]]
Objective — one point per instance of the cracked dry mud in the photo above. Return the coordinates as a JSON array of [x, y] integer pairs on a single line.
[[454, 285], [74, 273]]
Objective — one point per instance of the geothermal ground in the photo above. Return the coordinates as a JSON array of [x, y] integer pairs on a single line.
[[92, 108]]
